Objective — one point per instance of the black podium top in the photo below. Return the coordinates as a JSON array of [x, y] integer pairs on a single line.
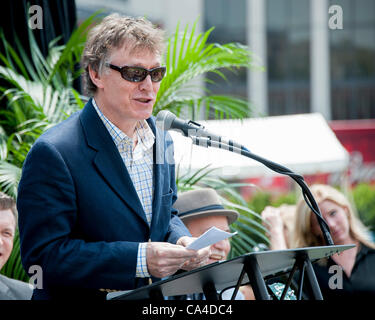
[[225, 274]]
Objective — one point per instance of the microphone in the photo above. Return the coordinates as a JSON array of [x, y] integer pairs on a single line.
[[166, 120]]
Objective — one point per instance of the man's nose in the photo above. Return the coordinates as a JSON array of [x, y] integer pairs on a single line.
[[146, 84]]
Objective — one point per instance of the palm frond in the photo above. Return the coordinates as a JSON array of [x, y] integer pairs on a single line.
[[3, 144], [190, 56], [72, 50], [10, 176], [39, 92]]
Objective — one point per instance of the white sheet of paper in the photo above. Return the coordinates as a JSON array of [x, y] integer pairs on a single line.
[[210, 237]]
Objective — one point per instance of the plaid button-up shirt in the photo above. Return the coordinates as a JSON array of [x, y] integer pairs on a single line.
[[139, 163]]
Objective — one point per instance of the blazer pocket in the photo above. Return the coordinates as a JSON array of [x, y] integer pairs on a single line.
[[166, 199]]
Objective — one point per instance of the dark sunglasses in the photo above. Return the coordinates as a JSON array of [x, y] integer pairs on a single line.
[[138, 74]]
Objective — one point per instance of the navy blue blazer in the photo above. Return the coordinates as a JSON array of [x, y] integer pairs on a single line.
[[80, 217]]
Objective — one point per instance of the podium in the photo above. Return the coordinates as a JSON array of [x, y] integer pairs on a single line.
[[252, 268]]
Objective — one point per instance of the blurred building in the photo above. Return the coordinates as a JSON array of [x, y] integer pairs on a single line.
[[311, 66]]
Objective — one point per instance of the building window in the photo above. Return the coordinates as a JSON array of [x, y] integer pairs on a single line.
[[229, 20], [352, 59], [288, 56]]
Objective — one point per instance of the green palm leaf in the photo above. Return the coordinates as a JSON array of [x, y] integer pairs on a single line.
[[190, 56], [10, 175], [71, 52]]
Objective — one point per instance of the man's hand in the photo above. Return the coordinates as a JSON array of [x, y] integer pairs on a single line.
[[164, 259], [202, 255]]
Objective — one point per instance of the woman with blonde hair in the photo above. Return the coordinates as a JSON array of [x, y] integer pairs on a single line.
[[351, 273]]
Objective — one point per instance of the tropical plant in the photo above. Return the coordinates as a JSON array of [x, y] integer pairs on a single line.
[[39, 93], [363, 195], [189, 56]]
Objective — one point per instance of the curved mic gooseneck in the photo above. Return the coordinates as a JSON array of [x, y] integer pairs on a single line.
[[201, 137]]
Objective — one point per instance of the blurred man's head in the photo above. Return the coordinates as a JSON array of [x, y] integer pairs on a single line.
[[8, 222], [202, 209]]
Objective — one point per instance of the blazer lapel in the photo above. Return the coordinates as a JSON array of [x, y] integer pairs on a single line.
[[158, 153], [108, 160]]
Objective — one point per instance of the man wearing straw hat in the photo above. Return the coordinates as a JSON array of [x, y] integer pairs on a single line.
[[200, 210]]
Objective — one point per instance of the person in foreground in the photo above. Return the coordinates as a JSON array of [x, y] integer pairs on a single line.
[[200, 210], [10, 289], [96, 192], [349, 274]]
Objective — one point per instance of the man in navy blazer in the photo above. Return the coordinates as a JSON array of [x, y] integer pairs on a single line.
[[96, 193]]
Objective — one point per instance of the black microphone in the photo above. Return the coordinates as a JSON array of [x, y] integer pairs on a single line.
[[166, 120]]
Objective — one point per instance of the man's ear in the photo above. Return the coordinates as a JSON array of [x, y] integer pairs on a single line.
[[95, 77]]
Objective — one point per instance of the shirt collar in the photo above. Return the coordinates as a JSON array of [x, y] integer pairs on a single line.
[[363, 251], [145, 136]]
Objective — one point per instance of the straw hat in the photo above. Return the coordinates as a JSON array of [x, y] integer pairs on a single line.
[[202, 203]]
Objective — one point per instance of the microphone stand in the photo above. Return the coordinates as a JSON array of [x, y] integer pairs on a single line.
[[207, 141]]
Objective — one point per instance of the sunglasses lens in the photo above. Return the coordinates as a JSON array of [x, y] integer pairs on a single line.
[[138, 74], [157, 74], [135, 74]]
